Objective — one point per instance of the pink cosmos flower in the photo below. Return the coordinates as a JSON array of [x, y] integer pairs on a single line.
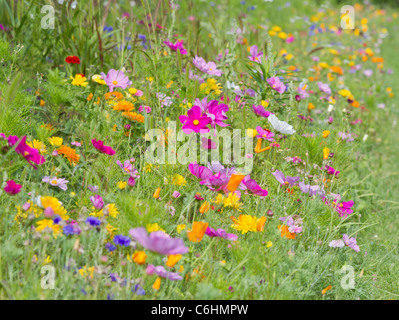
[[217, 112], [207, 144], [264, 134], [127, 167], [99, 145], [200, 172], [158, 241], [30, 154], [209, 68], [195, 121], [344, 208], [75, 143], [252, 186], [176, 46], [12, 188], [350, 242], [290, 39], [146, 108], [97, 201], [221, 233], [164, 100], [276, 84], [56, 182], [255, 55], [285, 180], [260, 111], [162, 272], [116, 79], [324, 87], [176, 194]]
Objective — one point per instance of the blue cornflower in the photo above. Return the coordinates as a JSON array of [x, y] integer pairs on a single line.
[[121, 240], [110, 246], [93, 221]]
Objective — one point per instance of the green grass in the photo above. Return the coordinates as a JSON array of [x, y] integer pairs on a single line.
[[213, 268]]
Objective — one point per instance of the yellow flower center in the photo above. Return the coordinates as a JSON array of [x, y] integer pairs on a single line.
[[196, 122], [287, 183], [115, 82], [54, 181]]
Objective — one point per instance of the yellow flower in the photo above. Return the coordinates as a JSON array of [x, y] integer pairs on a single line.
[[211, 86], [56, 141], [55, 205], [246, 223], [219, 199], [178, 180], [154, 227], [264, 103], [269, 244], [40, 146], [139, 257], [111, 230], [98, 79], [47, 260], [122, 185], [251, 133], [180, 227], [232, 201], [79, 81], [48, 223]]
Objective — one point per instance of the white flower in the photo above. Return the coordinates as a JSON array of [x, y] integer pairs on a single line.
[[337, 244], [280, 126]]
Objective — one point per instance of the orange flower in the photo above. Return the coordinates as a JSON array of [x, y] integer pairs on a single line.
[[258, 148], [134, 116], [157, 284], [139, 257], [198, 231], [311, 106], [89, 97], [157, 193], [113, 95], [326, 133], [326, 153], [261, 224], [285, 232], [234, 181], [204, 207], [355, 104], [69, 153], [337, 69], [326, 289], [173, 259], [123, 105]]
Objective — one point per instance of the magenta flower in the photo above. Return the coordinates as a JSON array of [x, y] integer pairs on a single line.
[[217, 112], [252, 186], [350, 242], [264, 134], [203, 104], [176, 194], [260, 111], [97, 201], [12, 188], [146, 108], [158, 241], [276, 84], [116, 79], [344, 208], [332, 171], [285, 180], [302, 91], [99, 145], [255, 55], [30, 154], [195, 121], [127, 167], [162, 272], [200, 172], [221, 234], [176, 46], [207, 144]]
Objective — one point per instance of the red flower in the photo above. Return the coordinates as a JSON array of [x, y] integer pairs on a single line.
[[72, 59]]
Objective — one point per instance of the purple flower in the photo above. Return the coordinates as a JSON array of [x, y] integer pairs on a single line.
[[93, 221], [302, 91], [195, 121], [324, 87], [176, 46], [139, 290], [350, 242], [12, 188], [127, 167], [116, 79], [176, 194], [285, 180], [260, 111], [221, 234], [164, 99], [162, 272], [72, 229], [110, 246], [121, 240], [312, 190], [200, 172], [159, 241], [203, 104], [276, 84], [255, 56], [97, 201]]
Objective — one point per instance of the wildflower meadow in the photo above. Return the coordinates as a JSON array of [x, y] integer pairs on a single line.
[[199, 150]]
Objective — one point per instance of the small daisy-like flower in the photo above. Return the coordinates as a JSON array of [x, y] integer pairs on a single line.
[[79, 81], [56, 182]]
